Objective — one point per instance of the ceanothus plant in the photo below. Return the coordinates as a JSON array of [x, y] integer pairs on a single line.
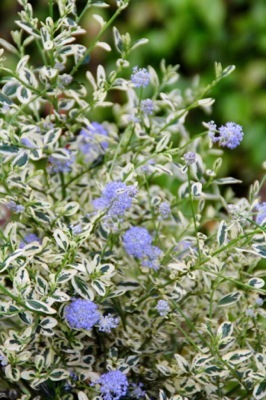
[[114, 285]]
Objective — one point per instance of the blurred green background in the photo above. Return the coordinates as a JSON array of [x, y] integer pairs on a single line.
[[195, 34]]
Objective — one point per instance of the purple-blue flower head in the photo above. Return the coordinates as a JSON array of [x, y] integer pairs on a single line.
[[113, 385], [92, 138], [29, 238], [190, 157], [82, 314], [61, 164], [163, 307], [140, 77], [137, 242], [147, 106], [16, 208], [116, 198], [261, 216], [165, 209], [229, 135], [138, 392], [107, 323]]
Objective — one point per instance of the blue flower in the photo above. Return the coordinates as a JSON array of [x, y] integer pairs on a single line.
[[229, 135], [107, 323], [147, 106], [138, 392], [92, 139], [190, 157], [113, 385], [137, 242], [163, 307], [261, 216], [259, 301], [3, 361], [61, 164], [140, 77], [116, 198], [29, 238], [165, 209], [16, 208], [76, 229], [82, 314]]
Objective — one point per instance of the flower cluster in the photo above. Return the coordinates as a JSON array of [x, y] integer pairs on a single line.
[[107, 323], [113, 385], [14, 207], [92, 139], [138, 243], [29, 238], [190, 157], [116, 198], [165, 209], [57, 165], [147, 107], [140, 77], [163, 307], [261, 215], [229, 135], [82, 314]]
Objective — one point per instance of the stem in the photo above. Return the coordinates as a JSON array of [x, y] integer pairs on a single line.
[[193, 213], [104, 28]]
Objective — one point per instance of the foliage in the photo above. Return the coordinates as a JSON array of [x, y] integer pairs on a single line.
[[111, 286]]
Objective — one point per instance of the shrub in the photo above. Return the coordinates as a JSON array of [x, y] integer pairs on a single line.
[[126, 271]]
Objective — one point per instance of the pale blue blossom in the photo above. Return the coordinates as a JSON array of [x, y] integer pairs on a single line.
[[107, 323], [261, 215], [163, 307], [82, 314], [229, 135], [140, 77], [113, 385], [29, 238], [138, 243], [165, 209], [147, 106], [190, 157], [116, 198]]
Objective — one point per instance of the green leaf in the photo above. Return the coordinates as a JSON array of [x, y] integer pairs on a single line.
[[225, 330], [260, 249], [226, 343], [40, 306], [182, 363], [213, 370], [257, 283], [229, 299], [99, 287], [6, 149], [61, 239], [65, 276], [21, 159], [26, 317], [82, 288], [237, 356], [118, 40], [227, 181], [4, 99], [259, 391], [59, 374], [222, 233], [196, 189]]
